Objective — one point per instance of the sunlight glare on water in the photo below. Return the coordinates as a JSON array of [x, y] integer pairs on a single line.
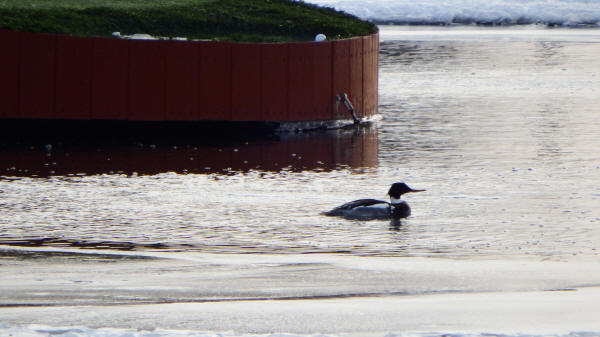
[[506, 126]]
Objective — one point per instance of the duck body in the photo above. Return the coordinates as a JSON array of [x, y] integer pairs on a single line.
[[373, 209]]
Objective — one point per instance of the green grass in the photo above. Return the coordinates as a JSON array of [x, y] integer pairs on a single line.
[[221, 20]]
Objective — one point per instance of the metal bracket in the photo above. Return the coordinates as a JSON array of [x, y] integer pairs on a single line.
[[343, 97]]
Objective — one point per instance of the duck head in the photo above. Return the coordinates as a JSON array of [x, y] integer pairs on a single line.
[[398, 189]]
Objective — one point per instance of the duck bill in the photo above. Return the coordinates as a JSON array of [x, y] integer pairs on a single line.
[[415, 191]]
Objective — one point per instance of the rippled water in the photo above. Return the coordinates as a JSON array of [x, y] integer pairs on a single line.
[[500, 126]]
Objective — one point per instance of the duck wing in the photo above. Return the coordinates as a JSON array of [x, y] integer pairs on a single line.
[[361, 203], [343, 209]]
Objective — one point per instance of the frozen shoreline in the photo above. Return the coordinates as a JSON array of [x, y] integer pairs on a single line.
[[100, 293], [66, 277], [464, 32], [551, 313], [497, 12]]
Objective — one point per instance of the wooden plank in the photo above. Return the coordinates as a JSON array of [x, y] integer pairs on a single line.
[[301, 100], [182, 89], [376, 73], [356, 75], [110, 79], [245, 82], [341, 73], [37, 84], [274, 82], [322, 81], [73, 77], [215, 81], [9, 74], [370, 76], [146, 80]]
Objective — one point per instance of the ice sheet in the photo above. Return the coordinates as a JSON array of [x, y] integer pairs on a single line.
[[554, 12]]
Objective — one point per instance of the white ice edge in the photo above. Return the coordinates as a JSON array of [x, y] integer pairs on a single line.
[[561, 12]]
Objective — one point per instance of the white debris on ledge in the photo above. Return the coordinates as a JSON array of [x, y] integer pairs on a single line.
[[320, 37], [146, 37]]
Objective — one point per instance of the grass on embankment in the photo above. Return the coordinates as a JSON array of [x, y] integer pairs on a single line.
[[223, 20]]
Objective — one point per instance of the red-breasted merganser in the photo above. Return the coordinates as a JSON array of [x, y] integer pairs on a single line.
[[373, 209]]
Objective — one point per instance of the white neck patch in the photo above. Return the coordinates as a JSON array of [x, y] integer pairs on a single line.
[[395, 201]]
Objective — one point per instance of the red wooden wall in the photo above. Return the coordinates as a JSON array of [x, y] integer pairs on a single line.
[[9, 74], [65, 77]]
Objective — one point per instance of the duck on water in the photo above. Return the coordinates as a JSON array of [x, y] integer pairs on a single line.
[[373, 209]]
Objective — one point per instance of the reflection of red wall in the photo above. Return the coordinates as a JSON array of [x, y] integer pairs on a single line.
[[298, 152], [64, 77]]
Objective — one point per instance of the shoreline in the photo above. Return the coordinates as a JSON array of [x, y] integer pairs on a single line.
[[436, 33], [508, 313]]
